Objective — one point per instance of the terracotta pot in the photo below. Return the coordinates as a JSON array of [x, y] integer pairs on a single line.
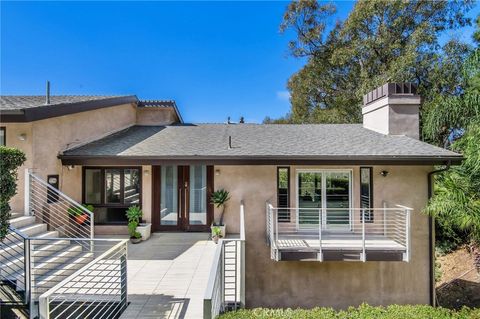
[[80, 219]]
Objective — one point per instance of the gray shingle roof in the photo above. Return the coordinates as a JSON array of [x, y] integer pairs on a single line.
[[308, 141], [20, 102]]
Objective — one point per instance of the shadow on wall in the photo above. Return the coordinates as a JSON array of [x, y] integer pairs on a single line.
[[156, 306], [459, 293], [164, 246]]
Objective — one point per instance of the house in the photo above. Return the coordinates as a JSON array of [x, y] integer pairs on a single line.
[[332, 212]]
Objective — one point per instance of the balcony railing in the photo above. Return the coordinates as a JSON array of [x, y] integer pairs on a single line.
[[339, 233]]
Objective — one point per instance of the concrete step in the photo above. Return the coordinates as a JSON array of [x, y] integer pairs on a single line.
[[53, 277], [55, 260], [15, 247], [22, 221], [16, 214], [32, 230]]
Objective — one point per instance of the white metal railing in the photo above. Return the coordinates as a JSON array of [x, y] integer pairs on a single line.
[[355, 229], [50, 206], [97, 290], [226, 283]]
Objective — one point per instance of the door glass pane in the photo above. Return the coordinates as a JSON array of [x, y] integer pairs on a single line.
[[309, 199], [337, 191], [93, 186], [198, 195], [169, 195], [112, 182], [131, 180]]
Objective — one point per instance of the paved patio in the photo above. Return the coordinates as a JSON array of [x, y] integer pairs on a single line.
[[168, 274]]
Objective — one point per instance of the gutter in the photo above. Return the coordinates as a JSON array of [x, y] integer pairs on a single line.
[[431, 227]]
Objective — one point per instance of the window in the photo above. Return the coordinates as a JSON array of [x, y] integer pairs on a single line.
[[366, 194], [283, 193], [111, 190], [3, 136]]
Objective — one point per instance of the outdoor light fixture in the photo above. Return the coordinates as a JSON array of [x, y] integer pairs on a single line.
[[217, 172], [22, 137], [384, 173], [146, 172], [70, 167]]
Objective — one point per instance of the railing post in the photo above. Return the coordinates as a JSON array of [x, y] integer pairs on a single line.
[[407, 234], [26, 192], [320, 252], [384, 218], [242, 274], [123, 280], [364, 256], [27, 274]]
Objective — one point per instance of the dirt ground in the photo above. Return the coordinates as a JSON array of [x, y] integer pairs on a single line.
[[460, 282]]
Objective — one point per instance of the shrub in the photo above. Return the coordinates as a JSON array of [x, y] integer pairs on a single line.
[[10, 160], [364, 311], [134, 214]]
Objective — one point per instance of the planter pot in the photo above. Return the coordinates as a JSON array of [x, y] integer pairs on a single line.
[[145, 230], [134, 240], [223, 229], [80, 219], [215, 239]]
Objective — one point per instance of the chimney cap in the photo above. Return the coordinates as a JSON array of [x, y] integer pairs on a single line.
[[389, 89]]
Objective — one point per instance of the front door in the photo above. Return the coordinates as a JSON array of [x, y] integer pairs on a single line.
[[181, 197]]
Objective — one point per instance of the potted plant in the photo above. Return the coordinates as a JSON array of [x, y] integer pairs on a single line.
[[220, 198], [143, 227], [216, 233], [134, 214], [79, 215]]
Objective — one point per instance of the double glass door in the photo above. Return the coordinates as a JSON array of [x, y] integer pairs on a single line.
[[324, 196], [182, 202]]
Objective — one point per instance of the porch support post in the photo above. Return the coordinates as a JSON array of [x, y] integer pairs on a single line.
[[26, 192]]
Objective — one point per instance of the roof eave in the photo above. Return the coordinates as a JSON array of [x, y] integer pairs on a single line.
[[259, 160], [49, 111]]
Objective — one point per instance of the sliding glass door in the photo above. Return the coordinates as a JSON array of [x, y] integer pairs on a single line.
[[325, 193]]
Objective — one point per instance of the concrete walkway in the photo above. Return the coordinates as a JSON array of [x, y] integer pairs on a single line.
[[168, 274]]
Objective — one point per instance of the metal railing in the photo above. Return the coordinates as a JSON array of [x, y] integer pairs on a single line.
[[13, 259], [54, 208], [355, 229], [226, 283], [97, 290]]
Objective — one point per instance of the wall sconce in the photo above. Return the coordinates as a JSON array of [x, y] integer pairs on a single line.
[[146, 172], [384, 173], [217, 172], [70, 167], [22, 137]]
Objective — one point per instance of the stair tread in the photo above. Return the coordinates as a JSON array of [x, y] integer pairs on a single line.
[[62, 253], [71, 264]]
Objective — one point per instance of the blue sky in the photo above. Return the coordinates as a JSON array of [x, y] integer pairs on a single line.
[[216, 59]]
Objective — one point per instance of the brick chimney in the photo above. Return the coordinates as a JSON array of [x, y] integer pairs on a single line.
[[393, 109]]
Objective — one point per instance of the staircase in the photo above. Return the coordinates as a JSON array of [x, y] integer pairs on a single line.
[[50, 261]]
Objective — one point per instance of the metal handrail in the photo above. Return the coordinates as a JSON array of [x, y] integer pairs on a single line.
[[215, 300]]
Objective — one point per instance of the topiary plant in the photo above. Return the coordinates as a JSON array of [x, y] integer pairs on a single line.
[[134, 214], [10, 160]]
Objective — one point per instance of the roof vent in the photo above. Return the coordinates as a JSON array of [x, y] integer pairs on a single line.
[[47, 96]]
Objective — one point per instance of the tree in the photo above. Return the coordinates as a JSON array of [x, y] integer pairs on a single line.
[[379, 42], [456, 204], [10, 160]]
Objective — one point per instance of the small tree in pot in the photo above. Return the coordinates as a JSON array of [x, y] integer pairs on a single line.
[[134, 214], [220, 198]]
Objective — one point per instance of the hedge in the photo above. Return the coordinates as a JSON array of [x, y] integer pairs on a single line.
[[362, 312], [10, 160]]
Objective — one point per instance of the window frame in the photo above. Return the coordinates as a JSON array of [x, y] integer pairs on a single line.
[[103, 202], [283, 220], [4, 129], [369, 210]]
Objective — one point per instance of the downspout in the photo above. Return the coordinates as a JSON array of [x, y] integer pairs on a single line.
[[431, 228]]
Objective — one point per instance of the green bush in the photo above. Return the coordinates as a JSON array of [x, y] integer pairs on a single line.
[[362, 312], [10, 160]]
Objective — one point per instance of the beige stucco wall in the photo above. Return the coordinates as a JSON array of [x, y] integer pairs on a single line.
[[337, 284], [46, 138], [156, 116]]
